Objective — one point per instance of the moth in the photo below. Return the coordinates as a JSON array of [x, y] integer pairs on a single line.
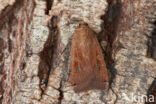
[[87, 66]]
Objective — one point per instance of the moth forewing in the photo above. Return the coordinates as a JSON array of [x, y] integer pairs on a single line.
[[87, 65]]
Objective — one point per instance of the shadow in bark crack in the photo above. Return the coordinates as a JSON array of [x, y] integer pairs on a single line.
[[110, 30], [152, 92], [47, 54], [7, 14], [2, 72], [151, 52], [49, 4]]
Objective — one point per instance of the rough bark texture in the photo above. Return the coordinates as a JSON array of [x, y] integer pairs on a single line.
[[35, 42]]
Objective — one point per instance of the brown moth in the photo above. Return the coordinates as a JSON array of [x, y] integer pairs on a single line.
[[87, 65]]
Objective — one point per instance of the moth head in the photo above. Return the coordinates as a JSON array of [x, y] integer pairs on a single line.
[[82, 25]]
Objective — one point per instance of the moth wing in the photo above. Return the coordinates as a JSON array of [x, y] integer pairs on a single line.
[[86, 56], [73, 61], [79, 71], [101, 72]]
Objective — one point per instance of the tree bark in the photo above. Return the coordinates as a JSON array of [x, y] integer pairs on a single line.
[[35, 44]]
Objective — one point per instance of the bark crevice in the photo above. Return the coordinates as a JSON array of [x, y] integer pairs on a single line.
[[49, 4], [47, 54], [151, 52], [111, 26]]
